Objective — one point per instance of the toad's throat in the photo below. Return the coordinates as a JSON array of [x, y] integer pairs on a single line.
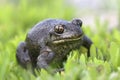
[[67, 40]]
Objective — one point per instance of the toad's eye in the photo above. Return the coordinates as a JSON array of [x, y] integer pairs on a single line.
[[77, 22], [59, 29]]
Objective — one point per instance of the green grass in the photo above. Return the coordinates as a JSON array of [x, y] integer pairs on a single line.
[[15, 22]]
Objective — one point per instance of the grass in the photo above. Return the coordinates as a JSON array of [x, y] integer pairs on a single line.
[[15, 22]]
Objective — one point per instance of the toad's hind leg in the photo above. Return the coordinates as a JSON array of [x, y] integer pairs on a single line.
[[22, 55]]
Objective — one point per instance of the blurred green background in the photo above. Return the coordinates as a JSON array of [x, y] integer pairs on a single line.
[[17, 16], [101, 22]]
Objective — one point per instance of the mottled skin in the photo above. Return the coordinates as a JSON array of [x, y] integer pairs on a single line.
[[49, 42]]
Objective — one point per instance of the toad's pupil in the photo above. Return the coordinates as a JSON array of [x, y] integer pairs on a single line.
[[61, 29]]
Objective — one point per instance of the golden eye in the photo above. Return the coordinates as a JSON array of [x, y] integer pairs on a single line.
[[59, 29]]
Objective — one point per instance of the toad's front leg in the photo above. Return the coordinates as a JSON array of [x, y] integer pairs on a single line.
[[87, 44], [45, 57]]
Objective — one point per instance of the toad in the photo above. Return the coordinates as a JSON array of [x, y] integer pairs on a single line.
[[50, 41]]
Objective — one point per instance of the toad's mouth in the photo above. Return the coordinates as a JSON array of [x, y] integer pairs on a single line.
[[68, 39]]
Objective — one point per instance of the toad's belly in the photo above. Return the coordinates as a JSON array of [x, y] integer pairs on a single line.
[[61, 51]]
